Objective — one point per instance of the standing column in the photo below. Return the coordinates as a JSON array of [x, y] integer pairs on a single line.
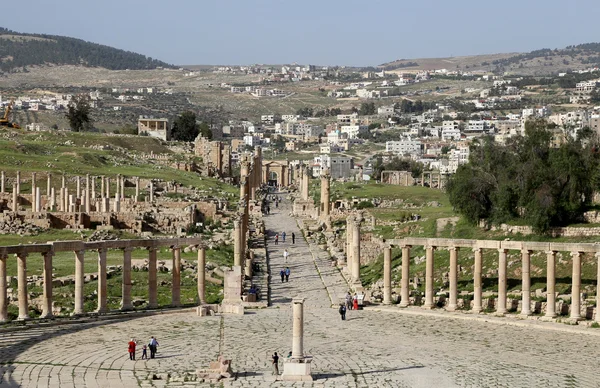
[[33, 193], [78, 185], [117, 204], [151, 191], [3, 287], [88, 207], [325, 193], [387, 275], [47, 275], [201, 275], [429, 277], [122, 187], [305, 178], [93, 188], [349, 227], [298, 328], [102, 192], [423, 179], [597, 317], [501, 307], [48, 184], [453, 278], [405, 293], [2, 178], [15, 198], [79, 274], [38, 199], [152, 280], [550, 282], [52, 205], [102, 289], [18, 182], [526, 282], [576, 287], [126, 287], [176, 285], [107, 187], [118, 183], [237, 243], [137, 189], [22, 285], [477, 289], [356, 252]]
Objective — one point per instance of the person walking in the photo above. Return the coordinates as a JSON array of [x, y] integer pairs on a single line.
[[131, 348], [144, 352], [348, 301], [342, 311], [285, 256], [275, 363], [287, 274], [293, 238], [282, 274], [355, 301], [152, 345], [277, 239], [283, 237]]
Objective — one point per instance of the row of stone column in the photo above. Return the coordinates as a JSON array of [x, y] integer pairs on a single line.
[[440, 181], [325, 196], [477, 280], [353, 250], [126, 303]]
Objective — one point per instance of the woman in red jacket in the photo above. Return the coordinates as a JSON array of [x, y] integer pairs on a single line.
[[131, 347]]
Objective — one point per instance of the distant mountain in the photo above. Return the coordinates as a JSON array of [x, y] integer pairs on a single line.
[[537, 62], [19, 50]]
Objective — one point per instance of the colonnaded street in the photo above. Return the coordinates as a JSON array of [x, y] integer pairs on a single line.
[[373, 348]]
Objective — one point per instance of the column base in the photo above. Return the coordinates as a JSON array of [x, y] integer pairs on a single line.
[[127, 308], [525, 313], [152, 306], [576, 319], [548, 318], [103, 310], [23, 318], [451, 308], [476, 310], [46, 316], [297, 369], [403, 305], [428, 306]]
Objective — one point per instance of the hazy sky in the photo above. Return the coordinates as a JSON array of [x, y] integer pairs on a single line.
[[324, 32]]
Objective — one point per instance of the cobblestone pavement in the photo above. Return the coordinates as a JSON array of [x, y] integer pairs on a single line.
[[373, 348]]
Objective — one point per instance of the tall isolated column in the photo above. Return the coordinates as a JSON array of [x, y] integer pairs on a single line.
[[237, 243], [93, 188], [526, 282], [201, 275], [349, 227], [18, 182], [152, 279], [137, 189], [47, 276], [3, 288], [88, 206], [126, 286], [102, 288], [38, 200], [52, 203], [48, 184], [298, 328], [452, 305], [176, 285], [79, 275], [387, 275], [118, 189], [405, 292], [2, 179], [477, 287], [501, 307], [15, 198], [576, 286], [78, 186], [151, 191], [429, 277], [102, 192], [356, 252], [305, 184], [33, 193], [550, 283], [107, 187], [325, 195], [22, 286]]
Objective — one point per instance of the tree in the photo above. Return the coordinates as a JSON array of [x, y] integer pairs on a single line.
[[185, 127], [78, 113], [205, 131]]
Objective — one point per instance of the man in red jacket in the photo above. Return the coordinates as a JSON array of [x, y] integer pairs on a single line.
[[131, 348]]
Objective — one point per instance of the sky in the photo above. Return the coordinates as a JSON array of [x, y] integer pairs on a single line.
[[323, 32]]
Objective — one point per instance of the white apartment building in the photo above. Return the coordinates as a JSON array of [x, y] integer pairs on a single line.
[[449, 134], [404, 146], [354, 130], [587, 86]]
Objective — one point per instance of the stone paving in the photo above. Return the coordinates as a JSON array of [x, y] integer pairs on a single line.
[[373, 348]]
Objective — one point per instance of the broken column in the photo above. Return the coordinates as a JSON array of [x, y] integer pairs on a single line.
[[18, 182], [151, 192], [137, 189], [297, 367]]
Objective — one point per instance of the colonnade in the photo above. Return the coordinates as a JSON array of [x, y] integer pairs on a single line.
[[424, 175], [23, 253], [477, 247]]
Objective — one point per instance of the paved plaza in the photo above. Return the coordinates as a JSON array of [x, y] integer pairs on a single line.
[[373, 348]]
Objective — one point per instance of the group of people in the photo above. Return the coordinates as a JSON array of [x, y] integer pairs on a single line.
[[351, 304], [283, 236], [285, 274], [152, 345]]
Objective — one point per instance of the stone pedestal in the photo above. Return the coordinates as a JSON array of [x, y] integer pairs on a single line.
[[232, 291], [297, 368]]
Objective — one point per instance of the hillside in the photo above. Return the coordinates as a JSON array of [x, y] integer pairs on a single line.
[[18, 50], [537, 62]]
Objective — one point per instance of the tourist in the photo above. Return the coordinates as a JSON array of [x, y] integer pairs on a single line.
[[289, 354], [348, 301], [355, 302], [287, 274], [282, 274], [293, 238], [131, 347], [342, 311], [277, 239], [285, 256], [144, 352], [275, 362], [152, 345], [283, 237], [268, 209]]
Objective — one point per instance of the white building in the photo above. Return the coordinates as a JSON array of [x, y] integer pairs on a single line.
[[354, 130], [405, 146], [450, 134]]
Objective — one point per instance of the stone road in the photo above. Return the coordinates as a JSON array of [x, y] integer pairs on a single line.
[[373, 348]]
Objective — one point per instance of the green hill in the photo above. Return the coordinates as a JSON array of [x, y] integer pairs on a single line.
[[18, 50]]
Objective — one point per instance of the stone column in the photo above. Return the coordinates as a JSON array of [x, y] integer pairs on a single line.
[[118, 183], [298, 328], [387, 275], [102, 187], [137, 189], [102, 288], [33, 193], [550, 282], [237, 243], [126, 286], [38, 200], [201, 275], [597, 317], [176, 284], [78, 185], [88, 207], [151, 191], [453, 278], [117, 204], [18, 182], [477, 286], [501, 307], [325, 195], [423, 179], [93, 188], [15, 198], [248, 264], [48, 184], [349, 227], [576, 286], [22, 285], [429, 277], [526, 282], [52, 205], [3, 287], [305, 180], [356, 252], [405, 293], [2, 178], [152, 279], [122, 187], [47, 275], [79, 275], [107, 187], [63, 181]]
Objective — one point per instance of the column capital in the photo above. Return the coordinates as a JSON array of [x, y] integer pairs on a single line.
[[502, 250], [432, 247], [526, 251], [477, 250], [128, 249], [575, 254], [22, 255], [548, 253], [597, 255], [45, 254], [102, 250], [453, 248]]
